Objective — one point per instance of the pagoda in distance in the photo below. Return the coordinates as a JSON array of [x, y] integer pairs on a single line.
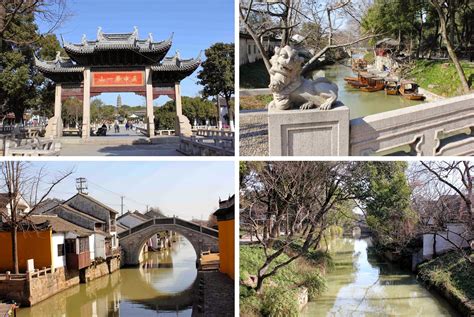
[[117, 62]]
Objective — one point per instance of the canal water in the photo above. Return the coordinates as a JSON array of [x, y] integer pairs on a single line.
[[161, 286], [361, 103], [362, 285]]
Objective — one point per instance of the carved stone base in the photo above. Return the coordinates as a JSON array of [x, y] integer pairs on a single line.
[[309, 132], [54, 129], [183, 126]]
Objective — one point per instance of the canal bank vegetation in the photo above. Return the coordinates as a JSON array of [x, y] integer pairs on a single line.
[[452, 275], [291, 209], [418, 214], [439, 77], [434, 233]]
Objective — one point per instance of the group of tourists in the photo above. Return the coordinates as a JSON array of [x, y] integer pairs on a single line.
[[107, 126]]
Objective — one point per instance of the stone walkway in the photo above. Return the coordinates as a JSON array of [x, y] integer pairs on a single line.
[[120, 150], [253, 133], [218, 292]]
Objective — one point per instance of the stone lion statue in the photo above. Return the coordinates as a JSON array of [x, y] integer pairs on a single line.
[[290, 90]]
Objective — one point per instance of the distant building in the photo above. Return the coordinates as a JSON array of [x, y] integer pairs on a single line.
[[225, 222], [248, 50], [6, 202]]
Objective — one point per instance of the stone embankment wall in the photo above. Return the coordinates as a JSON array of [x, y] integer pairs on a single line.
[[28, 292], [95, 271]]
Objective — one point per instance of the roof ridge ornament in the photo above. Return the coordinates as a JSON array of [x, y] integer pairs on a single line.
[[84, 39], [58, 57], [135, 33], [198, 58], [150, 37], [100, 34]]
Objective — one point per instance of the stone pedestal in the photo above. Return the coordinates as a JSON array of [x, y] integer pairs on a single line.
[[309, 132]]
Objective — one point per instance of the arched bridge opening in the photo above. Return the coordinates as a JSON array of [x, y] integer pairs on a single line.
[[132, 240]]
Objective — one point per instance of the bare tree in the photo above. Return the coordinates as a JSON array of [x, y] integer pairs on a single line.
[[442, 7], [20, 182], [51, 12], [283, 17], [443, 195], [294, 199]]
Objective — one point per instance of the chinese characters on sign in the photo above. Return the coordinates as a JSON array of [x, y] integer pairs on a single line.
[[118, 79]]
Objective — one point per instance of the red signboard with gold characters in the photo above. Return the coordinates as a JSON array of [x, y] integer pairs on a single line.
[[118, 79]]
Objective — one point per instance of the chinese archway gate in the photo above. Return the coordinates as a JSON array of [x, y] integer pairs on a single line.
[[117, 63]]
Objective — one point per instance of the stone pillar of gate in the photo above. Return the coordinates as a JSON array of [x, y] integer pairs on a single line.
[[86, 104], [55, 124], [183, 126], [150, 116]]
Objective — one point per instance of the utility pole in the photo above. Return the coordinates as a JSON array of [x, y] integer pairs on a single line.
[[81, 185], [121, 205]]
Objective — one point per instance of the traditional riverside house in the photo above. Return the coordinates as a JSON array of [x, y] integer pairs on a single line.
[[43, 239], [131, 219], [225, 223], [450, 226], [5, 206], [71, 244], [90, 214]]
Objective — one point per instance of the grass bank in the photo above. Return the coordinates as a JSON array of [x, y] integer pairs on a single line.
[[254, 75], [452, 276], [254, 102], [280, 292], [440, 77]]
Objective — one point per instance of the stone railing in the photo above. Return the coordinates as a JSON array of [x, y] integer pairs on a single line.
[[213, 133], [169, 221], [203, 127], [215, 146], [444, 127], [31, 147], [165, 132]]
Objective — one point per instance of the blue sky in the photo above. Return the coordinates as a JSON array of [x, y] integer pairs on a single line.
[[197, 24], [185, 189]]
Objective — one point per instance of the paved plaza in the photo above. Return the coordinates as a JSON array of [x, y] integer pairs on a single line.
[[123, 143]]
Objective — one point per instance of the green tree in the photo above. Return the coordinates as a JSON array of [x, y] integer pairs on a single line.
[[72, 111], [21, 86], [165, 116], [384, 196], [217, 74]]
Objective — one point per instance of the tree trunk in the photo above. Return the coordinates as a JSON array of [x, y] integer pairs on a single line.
[[449, 46], [14, 232]]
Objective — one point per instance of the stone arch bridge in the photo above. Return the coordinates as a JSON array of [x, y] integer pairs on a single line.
[[132, 241]]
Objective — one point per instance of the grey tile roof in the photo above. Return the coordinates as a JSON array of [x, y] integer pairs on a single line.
[[118, 41], [58, 65]]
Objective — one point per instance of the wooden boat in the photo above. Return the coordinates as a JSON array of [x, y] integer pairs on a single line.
[[374, 84], [351, 79], [409, 90], [362, 80], [391, 87]]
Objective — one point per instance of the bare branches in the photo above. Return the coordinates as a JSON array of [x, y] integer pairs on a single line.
[[308, 18], [315, 57]]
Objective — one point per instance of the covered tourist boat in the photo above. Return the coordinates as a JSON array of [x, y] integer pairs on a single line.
[[409, 90]]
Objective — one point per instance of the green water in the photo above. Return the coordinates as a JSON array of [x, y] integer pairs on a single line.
[[361, 285], [361, 103], [162, 286]]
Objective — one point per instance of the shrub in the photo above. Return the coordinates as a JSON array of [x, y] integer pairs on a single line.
[[280, 302], [315, 283]]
